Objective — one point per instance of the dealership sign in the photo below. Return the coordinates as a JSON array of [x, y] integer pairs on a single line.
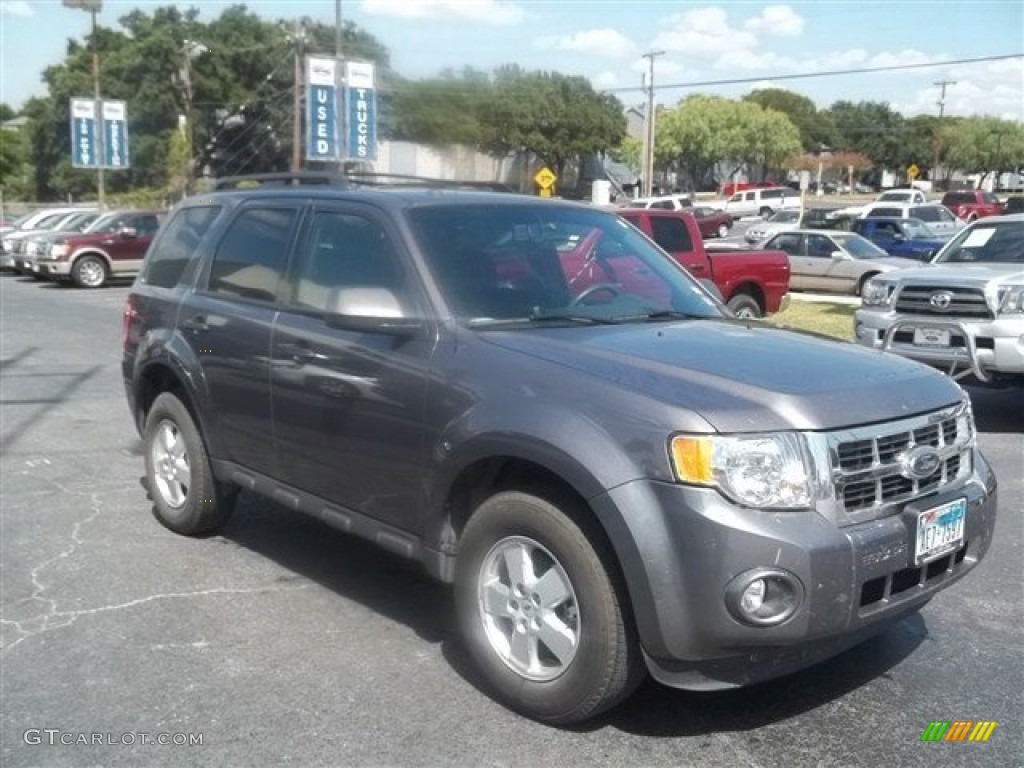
[[86, 125], [361, 110], [322, 113]]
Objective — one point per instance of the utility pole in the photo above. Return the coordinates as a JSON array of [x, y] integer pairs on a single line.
[[337, 29], [191, 50], [942, 84], [297, 101], [94, 7], [648, 172]]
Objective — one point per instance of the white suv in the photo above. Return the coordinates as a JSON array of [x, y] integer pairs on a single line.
[[762, 202], [938, 217]]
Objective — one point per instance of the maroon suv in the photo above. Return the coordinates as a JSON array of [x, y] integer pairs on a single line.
[[971, 204], [113, 249]]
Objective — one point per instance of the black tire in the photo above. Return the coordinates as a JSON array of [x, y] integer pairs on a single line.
[[605, 664], [859, 288], [206, 504], [90, 272], [766, 212], [744, 306], [723, 230]]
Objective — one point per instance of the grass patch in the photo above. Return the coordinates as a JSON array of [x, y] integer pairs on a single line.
[[830, 319]]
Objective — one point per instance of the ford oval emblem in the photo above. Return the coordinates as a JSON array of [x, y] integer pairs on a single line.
[[941, 299], [920, 462]]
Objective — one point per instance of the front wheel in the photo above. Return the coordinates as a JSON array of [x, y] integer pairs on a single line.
[[89, 272], [186, 497], [723, 230], [744, 307], [766, 212], [540, 612]]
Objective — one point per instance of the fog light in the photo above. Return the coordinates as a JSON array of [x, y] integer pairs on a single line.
[[764, 597]]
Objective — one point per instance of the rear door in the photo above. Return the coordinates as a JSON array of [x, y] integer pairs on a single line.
[[228, 319], [348, 404]]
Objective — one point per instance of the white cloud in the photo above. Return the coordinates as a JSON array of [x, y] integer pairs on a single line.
[[605, 80], [853, 57], [778, 20], [15, 8], [703, 32], [995, 89], [898, 58], [664, 67], [595, 42], [486, 11], [752, 61]]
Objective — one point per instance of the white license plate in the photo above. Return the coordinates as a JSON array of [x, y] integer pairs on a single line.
[[940, 530], [931, 337]]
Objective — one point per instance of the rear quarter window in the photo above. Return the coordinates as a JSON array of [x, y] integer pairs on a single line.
[[175, 245]]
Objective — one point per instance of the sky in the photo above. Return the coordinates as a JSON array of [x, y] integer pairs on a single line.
[[604, 41]]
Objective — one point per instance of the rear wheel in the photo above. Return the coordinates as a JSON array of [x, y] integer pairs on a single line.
[[541, 613], [744, 306], [723, 230], [766, 212], [186, 497], [89, 272]]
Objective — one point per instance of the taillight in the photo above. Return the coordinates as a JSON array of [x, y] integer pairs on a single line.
[[128, 317]]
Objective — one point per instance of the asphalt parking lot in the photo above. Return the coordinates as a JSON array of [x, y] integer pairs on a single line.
[[285, 642]]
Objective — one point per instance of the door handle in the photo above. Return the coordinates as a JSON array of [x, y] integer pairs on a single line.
[[300, 353], [196, 323]]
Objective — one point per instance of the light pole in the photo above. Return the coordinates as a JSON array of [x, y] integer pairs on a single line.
[[648, 172], [94, 7], [191, 50]]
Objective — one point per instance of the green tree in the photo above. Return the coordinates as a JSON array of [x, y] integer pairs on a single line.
[[871, 128], [984, 145], [446, 110], [816, 128]]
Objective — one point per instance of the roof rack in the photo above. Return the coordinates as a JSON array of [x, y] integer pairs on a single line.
[[350, 179]]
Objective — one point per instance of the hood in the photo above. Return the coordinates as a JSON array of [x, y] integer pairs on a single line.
[[938, 274], [894, 262], [742, 377]]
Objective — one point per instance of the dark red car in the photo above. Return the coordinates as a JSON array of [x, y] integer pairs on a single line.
[[711, 222], [115, 249], [971, 204]]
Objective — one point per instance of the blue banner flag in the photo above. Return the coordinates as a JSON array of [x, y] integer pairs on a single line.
[[115, 135], [83, 134], [322, 111], [361, 110]]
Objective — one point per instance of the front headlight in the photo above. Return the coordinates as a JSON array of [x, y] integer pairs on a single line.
[[877, 293], [57, 250], [8, 246], [765, 471], [1011, 299]]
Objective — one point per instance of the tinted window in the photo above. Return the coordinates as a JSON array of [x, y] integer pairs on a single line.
[[146, 224], [671, 234], [663, 204], [895, 212], [1000, 242], [250, 258], [925, 213], [344, 251], [170, 254], [789, 243], [956, 198], [771, 193], [819, 246], [988, 197]]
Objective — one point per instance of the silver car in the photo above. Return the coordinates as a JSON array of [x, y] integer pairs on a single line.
[[781, 221], [833, 261]]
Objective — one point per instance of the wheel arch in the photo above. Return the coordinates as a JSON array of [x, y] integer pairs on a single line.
[[751, 289], [90, 251]]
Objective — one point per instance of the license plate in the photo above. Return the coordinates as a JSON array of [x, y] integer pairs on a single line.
[[940, 530], [931, 337]]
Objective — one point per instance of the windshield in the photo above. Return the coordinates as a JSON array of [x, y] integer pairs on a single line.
[[110, 222], [501, 263], [995, 243], [917, 229], [894, 197], [859, 247], [785, 217], [48, 222]]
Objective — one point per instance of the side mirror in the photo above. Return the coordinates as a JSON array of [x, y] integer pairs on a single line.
[[899, 237], [369, 310], [838, 255], [128, 233]]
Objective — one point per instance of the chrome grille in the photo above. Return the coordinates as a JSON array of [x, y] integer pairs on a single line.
[[866, 471], [964, 302]]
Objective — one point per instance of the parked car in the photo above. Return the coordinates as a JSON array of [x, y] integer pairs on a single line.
[[938, 217], [115, 249], [1013, 204], [781, 221], [28, 250], [908, 238], [12, 242], [751, 283], [833, 262], [711, 222], [666, 202], [911, 196], [826, 218], [963, 313], [615, 479], [971, 204], [762, 202]]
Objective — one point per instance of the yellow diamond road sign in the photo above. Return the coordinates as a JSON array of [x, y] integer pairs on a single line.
[[545, 178], [913, 171]]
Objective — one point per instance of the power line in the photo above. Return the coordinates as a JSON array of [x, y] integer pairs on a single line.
[[825, 73]]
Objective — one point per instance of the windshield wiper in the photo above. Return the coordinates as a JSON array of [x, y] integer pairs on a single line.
[[571, 318], [666, 314]]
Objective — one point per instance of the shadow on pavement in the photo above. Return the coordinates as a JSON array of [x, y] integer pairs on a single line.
[[997, 410]]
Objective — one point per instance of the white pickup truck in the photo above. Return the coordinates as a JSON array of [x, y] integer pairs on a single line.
[[963, 312]]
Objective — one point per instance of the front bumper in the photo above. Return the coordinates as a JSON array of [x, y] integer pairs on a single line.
[[681, 546], [53, 267], [983, 347]]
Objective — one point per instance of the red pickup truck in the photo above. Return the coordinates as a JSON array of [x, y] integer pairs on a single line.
[[752, 283]]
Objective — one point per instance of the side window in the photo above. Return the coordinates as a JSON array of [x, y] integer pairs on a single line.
[[664, 205], [771, 194], [344, 251], [944, 215], [251, 256], [820, 247], [147, 225], [671, 234], [885, 230], [925, 213], [787, 242], [171, 252]]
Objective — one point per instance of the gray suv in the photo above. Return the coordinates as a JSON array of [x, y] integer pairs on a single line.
[[536, 403]]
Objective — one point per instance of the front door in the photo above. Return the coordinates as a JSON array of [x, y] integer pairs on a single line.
[[349, 404]]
